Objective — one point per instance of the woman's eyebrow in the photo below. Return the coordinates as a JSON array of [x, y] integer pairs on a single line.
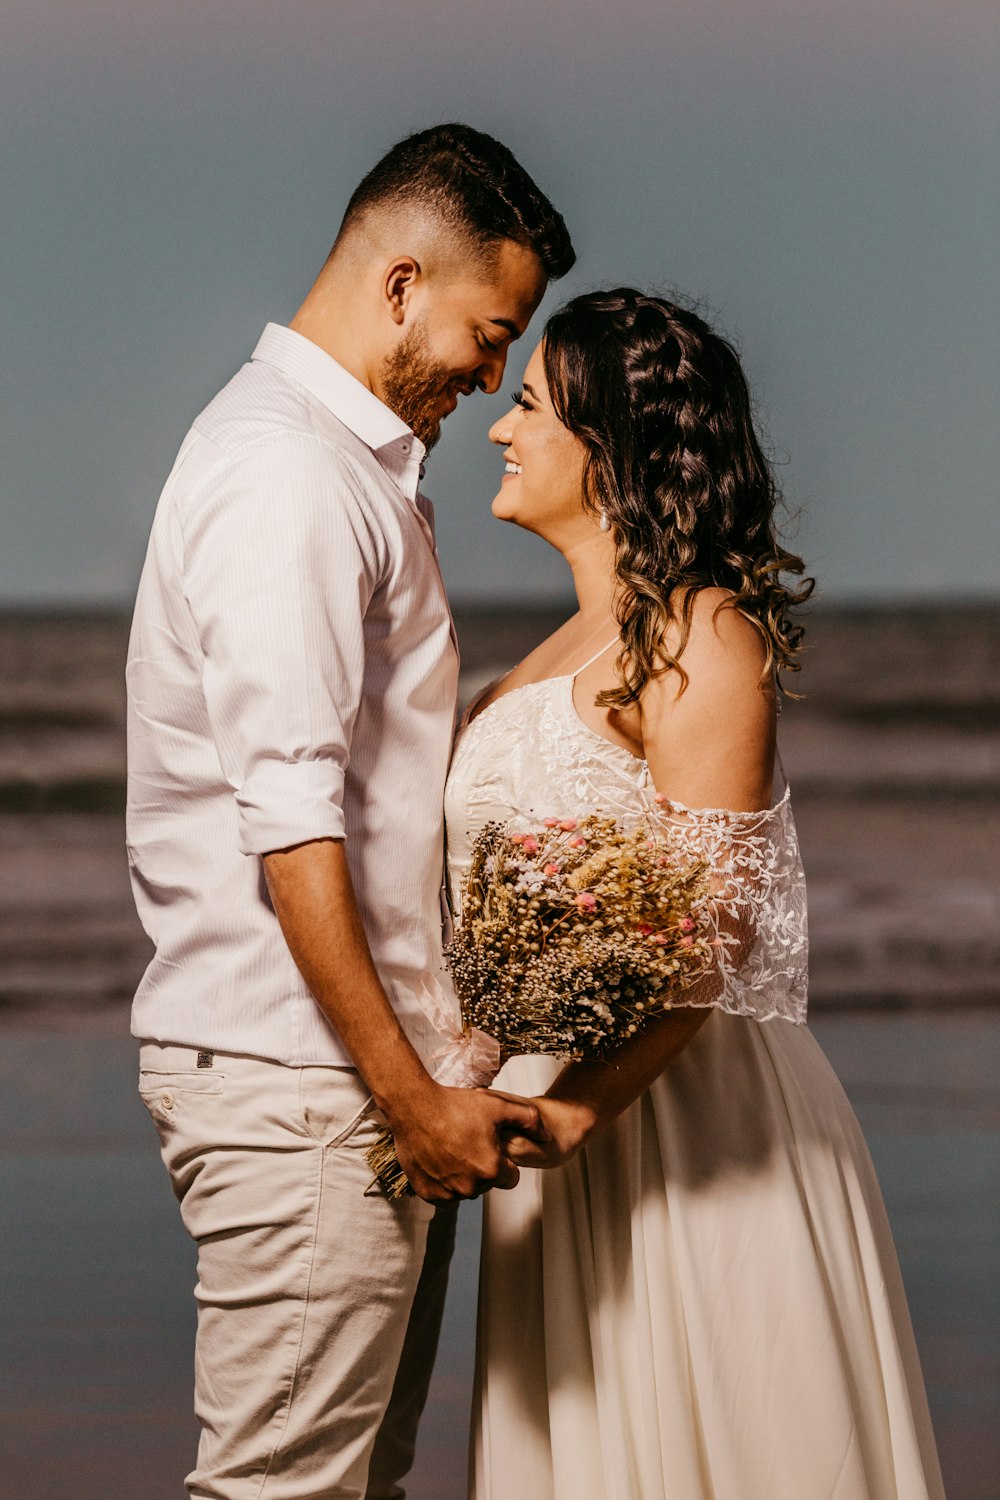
[[530, 390]]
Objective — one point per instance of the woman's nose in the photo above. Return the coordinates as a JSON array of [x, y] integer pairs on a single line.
[[500, 433]]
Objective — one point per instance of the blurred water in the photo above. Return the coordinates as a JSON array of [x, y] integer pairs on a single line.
[[96, 1275], [894, 760]]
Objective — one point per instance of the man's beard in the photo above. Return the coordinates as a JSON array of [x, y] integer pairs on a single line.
[[412, 385]]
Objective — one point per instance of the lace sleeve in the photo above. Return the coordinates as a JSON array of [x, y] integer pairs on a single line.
[[756, 905]]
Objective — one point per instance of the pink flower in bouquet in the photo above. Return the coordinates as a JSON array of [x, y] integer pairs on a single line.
[[645, 929], [578, 843], [551, 823], [529, 844], [551, 869], [567, 825], [518, 838], [686, 924], [586, 902]]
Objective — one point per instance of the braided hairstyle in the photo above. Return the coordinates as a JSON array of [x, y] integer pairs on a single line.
[[674, 463]]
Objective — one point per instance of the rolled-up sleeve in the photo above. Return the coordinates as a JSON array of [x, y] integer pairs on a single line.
[[281, 558]]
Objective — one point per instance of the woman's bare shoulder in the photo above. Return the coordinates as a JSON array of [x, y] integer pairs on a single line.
[[708, 729], [720, 641]]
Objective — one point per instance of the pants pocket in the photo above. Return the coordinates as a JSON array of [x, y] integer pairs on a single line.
[[151, 1082], [334, 1103], [166, 1093]]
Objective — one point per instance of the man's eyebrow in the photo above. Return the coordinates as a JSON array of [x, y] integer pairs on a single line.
[[508, 324]]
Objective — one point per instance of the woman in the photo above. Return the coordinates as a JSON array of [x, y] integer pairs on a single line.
[[699, 1299]]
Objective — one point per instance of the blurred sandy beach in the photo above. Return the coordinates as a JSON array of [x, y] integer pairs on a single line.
[[894, 760]]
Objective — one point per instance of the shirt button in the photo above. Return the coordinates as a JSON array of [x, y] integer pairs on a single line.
[[167, 1100]]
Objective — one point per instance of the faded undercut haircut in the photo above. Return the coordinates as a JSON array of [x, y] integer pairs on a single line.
[[475, 185]]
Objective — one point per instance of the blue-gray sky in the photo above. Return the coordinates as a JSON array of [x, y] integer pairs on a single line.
[[823, 175]]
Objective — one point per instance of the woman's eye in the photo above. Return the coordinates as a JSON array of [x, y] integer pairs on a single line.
[[518, 399]]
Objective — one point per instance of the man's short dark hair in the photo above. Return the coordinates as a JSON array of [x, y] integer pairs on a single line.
[[475, 184]]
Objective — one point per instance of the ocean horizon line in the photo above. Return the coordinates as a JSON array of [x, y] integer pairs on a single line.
[[904, 602]]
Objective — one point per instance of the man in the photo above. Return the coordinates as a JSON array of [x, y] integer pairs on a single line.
[[292, 680]]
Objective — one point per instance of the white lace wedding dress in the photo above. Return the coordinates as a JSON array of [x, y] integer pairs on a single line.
[[705, 1304]]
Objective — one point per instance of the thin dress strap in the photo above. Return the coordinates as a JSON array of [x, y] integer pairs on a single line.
[[590, 661]]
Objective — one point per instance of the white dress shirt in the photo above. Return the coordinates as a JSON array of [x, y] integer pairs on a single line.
[[291, 675]]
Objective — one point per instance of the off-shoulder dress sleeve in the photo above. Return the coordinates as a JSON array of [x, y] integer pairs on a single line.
[[756, 906]]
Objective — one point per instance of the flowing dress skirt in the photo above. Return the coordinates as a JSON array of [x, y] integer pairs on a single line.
[[706, 1303]]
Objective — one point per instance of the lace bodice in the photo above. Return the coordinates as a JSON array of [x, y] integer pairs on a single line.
[[529, 755]]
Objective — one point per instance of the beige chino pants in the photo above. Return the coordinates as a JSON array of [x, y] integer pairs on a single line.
[[318, 1306]]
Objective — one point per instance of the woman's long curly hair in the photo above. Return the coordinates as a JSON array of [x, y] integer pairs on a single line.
[[674, 463]]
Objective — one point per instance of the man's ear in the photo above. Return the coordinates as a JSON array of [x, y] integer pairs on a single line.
[[398, 285]]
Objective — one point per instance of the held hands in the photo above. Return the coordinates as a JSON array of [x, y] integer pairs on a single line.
[[567, 1124], [455, 1143]]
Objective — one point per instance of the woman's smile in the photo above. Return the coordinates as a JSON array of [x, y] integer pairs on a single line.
[[545, 459]]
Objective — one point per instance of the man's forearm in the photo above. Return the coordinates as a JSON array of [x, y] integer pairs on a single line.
[[313, 898], [448, 1139]]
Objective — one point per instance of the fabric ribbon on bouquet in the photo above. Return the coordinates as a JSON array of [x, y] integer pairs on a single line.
[[466, 1059]]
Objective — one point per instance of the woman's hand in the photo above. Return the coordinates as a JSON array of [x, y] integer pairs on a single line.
[[569, 1125], [590, 1093]]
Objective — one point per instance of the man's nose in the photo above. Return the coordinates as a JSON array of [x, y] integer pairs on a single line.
[[490, 373]]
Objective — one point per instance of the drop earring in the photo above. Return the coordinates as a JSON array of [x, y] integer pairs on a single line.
[[604, 522]]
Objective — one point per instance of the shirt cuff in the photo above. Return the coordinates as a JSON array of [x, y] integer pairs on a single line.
[[290, 802]]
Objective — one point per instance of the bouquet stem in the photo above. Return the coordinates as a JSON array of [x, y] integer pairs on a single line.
[[384, 1162]]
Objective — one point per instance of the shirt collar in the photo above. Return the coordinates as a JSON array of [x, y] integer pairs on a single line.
[[400, 453]]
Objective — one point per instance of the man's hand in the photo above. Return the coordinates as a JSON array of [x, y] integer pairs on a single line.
[[449, 1141]]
